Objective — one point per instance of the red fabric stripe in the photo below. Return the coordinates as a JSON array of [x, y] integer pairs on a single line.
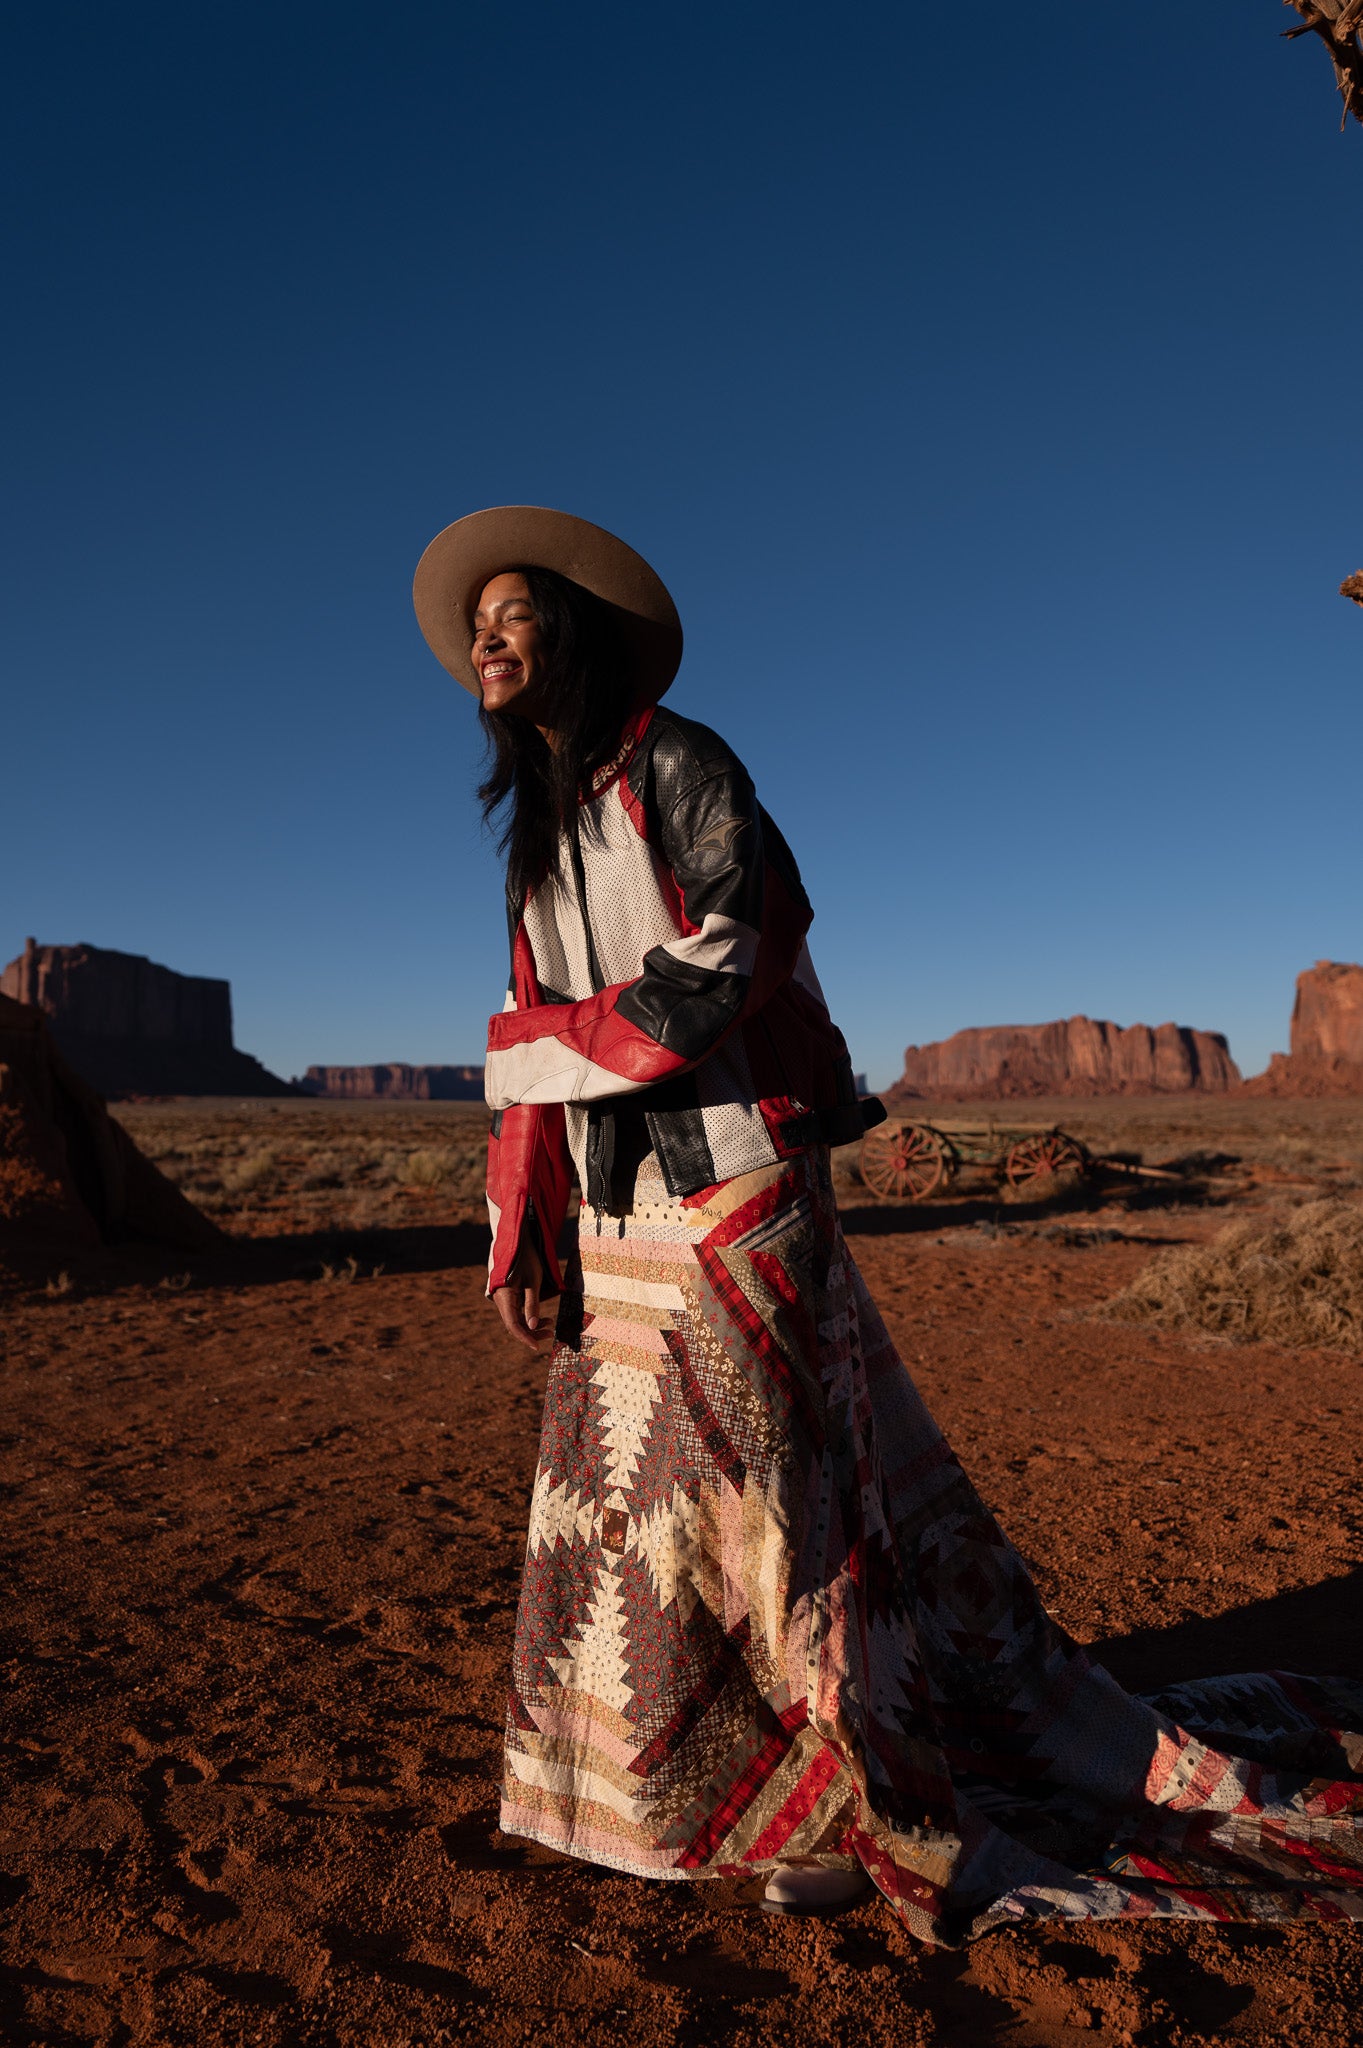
[[736, 1803], [797, 1808], [698, 1703], [710, 1257], [590, 1030], [633, 730], [530, 1161], [1195, 1895], [1203, 1783], [524, 978]]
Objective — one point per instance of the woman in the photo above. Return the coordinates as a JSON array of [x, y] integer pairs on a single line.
[[766, 1624]]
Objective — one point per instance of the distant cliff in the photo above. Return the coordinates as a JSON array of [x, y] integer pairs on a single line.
[[1326, 1039], [131, 1027], [1076, 1056], [394, 1082]]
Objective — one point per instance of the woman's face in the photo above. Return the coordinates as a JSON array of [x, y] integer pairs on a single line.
[[508, 652]]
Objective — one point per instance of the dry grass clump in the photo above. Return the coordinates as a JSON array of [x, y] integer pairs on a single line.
[[276, 1166], [1298, 1281], [252, 1174], [428, 1167]]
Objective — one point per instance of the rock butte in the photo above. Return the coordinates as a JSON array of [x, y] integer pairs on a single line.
[[1075, 1056], [1327, 1036], [131, 1027], [394, 1082], [70, 1177]]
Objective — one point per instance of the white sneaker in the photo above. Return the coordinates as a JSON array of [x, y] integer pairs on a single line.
[[793, 1890]]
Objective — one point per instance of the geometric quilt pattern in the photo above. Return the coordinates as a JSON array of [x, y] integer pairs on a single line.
[[765, 1619]]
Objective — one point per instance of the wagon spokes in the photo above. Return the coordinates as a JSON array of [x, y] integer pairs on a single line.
[[1042, 1153], [904, 1162]]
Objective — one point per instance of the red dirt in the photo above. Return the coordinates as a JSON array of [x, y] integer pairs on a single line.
[[1304, 1079], [267, 1531]]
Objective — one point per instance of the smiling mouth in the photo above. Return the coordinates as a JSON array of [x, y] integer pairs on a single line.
[[493, 671]]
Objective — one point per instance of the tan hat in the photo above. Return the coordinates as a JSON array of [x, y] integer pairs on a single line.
[[458, 563]]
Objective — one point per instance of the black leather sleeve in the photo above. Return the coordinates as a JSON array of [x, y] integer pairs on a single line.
[[688, 1009], [705, 820], [709, 822]]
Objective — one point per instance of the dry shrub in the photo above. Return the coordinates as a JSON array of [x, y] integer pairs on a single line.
[[323, 1171], [1298, 1281], [281, 1166], [429, 1166], [252, 1175]]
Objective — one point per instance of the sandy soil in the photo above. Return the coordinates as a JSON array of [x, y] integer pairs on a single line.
[[265, 1519]]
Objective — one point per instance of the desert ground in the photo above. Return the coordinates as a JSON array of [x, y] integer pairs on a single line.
[[264, 1515]]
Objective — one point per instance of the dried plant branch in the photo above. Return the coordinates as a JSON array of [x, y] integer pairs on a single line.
[[1339, 24]]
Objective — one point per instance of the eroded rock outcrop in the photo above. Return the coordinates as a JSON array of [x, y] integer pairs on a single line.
[[1075, 1056], [70, 1176], [395, 1082], [1326, 1039], [131, 1027]]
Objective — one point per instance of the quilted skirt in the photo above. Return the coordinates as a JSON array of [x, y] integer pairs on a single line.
[[766, 1619]]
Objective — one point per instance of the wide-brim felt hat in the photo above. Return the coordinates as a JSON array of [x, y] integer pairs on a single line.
[[451, 575]]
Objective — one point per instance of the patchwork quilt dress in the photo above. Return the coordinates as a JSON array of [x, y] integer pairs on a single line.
[[765, 1618]]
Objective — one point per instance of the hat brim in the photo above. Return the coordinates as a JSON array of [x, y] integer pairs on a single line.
[[451, 575]]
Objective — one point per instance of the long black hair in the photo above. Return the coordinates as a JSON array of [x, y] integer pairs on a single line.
[[591, 699]]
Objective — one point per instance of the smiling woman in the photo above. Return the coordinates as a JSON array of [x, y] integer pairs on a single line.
[[766, 1624], [554, 697], [509, 650]]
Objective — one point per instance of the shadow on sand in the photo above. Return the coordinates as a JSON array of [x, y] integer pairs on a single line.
[[242, 1262], [862, 1217], [1317, 1630]]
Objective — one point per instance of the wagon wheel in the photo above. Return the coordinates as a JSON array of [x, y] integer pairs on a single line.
[[904, 1160], [1045, 1152]]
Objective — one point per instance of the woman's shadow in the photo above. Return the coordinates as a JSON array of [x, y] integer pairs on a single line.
[[1315, 1630]]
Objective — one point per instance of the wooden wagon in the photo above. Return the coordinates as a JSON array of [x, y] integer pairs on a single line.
[[903, 1161]]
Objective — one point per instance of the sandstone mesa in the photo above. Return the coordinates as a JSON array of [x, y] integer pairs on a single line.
[[1326, 1056], [131, 1027], [1073, 1056], [392, 1081]]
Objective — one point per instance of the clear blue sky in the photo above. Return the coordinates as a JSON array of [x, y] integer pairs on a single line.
[[987, 396]]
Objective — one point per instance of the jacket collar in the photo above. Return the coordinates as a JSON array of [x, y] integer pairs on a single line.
[[636, 725]]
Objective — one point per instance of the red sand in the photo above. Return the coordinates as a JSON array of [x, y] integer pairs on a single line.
[[267, 1533]]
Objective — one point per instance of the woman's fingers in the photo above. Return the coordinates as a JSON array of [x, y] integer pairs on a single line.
[[537, 1328], [518, 1302], [519, 1310], [510, 1310]]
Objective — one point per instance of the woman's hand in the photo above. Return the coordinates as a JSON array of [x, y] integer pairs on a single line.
[[518, 1303]]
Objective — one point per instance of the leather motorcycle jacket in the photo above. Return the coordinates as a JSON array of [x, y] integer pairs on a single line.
[[662, 998]]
